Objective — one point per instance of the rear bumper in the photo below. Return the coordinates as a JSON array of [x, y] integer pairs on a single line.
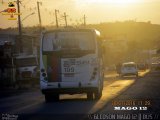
[[69, 90], [129, 74]]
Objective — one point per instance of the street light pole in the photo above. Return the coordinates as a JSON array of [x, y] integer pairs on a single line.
[[39, 15], [28, 16], [19, 19], [56, 18], [19, 28], [65, 18], [84, 18]]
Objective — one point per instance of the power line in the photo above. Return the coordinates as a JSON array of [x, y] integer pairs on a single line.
[[28, 8], [23, 19], [27, 2], [28, 16]]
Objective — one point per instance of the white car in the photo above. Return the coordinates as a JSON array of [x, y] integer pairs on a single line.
[[129, 68]]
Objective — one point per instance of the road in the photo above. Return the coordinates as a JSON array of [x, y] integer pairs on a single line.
[[31, 105]]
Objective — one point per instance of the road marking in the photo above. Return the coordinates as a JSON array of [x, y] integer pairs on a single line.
[[142, 73], [110, 92]]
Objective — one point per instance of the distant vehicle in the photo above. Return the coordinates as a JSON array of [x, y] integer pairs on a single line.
[[71, 62], [27, 69], [129, 68], [142, 66]]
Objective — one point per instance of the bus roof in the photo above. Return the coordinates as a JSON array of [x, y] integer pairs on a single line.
[[74, 30], [126, 63]]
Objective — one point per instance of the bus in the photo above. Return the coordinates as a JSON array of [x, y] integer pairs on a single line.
[[71, 62]]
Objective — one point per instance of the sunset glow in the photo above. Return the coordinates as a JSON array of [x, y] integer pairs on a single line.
[[112, 1], [96, 11]]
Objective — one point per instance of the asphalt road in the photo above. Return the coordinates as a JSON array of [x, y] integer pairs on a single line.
[[31, 104]]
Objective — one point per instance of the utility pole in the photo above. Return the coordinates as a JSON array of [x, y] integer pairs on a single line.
[[19, 19], [65, 18], [39, 15], [84, 18], [19, 27], [56, 11]]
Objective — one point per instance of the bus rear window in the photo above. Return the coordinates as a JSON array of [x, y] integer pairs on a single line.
[[57, 41], [129, 65], [23, 62]]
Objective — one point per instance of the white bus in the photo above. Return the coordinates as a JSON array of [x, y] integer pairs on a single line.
[[71, 62]]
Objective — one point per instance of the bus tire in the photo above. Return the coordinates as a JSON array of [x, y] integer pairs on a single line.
[[98, 94], [48, 98], [55, 97], [90, 95]]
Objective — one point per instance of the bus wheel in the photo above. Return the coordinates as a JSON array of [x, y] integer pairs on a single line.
[[98, 94], [55, 97], [90, 95], [47, 98]]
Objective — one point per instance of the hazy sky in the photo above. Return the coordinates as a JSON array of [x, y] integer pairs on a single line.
[[96, 11]]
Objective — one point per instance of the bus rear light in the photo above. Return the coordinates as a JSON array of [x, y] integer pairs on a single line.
[[44, 74], [45, 78], [42, 70], [94, 74]]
